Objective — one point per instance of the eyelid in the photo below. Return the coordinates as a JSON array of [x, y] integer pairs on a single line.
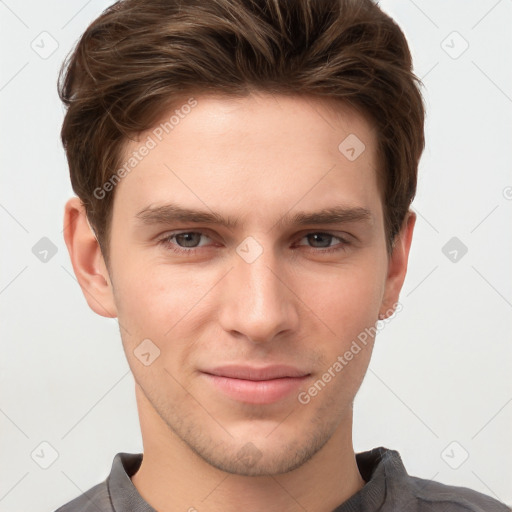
[[332, 234], [211, 234], [342, 237]]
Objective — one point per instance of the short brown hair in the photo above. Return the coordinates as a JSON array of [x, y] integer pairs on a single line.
[[140, 57]]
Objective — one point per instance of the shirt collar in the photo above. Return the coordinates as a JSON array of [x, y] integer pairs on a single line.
[[386, 482], [381, 468], [124, 495]]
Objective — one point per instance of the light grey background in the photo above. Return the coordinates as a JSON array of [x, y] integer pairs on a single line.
[[438, 388]]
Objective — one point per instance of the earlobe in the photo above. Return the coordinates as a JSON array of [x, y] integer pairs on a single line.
[[397, 267], [87, 260]]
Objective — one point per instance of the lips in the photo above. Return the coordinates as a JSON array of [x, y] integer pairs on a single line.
[[264, 385], [253, 373]]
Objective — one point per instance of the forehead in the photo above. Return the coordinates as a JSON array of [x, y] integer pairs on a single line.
[[250, 155]]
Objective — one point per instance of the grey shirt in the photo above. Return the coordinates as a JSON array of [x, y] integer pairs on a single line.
[[388, 489]]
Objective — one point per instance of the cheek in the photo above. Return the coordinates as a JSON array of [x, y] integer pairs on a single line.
[[345, 299], [348, 311], [164, 304], [154, 307], [142, 298]]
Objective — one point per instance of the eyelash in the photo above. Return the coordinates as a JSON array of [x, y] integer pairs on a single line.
[[166, 242]]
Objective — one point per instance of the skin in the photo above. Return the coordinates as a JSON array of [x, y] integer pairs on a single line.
[[256, 159]]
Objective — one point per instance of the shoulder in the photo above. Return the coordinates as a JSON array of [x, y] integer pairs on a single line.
[[406, 492], [96, 499], [435, 496]]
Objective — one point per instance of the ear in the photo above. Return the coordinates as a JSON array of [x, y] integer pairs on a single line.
[[397, 266], [87, 260]]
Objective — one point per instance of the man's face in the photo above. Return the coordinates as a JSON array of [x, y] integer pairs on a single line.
[[259, 293]]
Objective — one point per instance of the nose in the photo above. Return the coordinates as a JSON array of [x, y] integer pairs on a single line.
[[258, 302]]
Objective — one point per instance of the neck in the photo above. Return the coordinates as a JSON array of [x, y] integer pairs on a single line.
[[173, 478]]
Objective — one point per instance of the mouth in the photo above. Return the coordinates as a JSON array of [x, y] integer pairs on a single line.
[[262, 385]]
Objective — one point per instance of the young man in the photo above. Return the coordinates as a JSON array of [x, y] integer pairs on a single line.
[[244, 171]]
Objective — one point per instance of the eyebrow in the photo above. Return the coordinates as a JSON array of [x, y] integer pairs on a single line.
[[170, 213]]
